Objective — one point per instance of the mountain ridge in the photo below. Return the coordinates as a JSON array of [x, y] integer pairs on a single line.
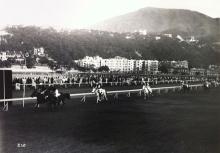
[[157, 20]]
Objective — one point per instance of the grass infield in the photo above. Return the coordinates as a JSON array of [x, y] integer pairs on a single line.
[[167, 123]]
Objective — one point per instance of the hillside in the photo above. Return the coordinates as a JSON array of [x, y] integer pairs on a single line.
[[66, 46], [157, 20]]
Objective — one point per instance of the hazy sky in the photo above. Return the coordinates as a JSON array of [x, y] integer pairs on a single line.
[[80, 13]]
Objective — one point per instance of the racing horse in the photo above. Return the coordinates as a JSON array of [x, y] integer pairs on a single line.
[[58, 98], [185, 87], [207, 85], [61, 98], [100, 93], [44, 97], [214, 83], [147, 91]]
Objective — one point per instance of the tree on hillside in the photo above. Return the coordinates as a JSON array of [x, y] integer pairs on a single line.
[[30, 62], [103, 69], [66, 46], [164, 68], [43, 60], [5, 63]]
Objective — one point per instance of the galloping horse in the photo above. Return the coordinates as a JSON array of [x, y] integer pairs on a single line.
[[207, 85], [58, 97], [62, 97], [100, 93], [43, 97], [185, 87], [214, 83], [147, 91]]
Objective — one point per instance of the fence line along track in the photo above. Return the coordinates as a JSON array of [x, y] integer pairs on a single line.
[[78, 95], [109, 82]]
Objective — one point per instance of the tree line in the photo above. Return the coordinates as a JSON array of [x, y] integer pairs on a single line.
[[66, 46]]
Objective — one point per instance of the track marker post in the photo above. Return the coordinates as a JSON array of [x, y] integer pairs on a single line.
[[166, 90], [116, 96], [139, 93], [83, 99], [23, 94], [158, 91], [5, 108], [129, 94]]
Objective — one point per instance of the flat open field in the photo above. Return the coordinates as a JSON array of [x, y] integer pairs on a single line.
[[169, 123]]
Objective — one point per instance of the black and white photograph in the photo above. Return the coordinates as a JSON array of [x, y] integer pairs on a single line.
[[109, 76]]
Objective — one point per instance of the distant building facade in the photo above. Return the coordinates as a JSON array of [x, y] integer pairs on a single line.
[[213, 70], [151, 66], [3, 56], [119, 64], [198, 71], [88, 62], [39, 51], [179, 64], [176, 67]]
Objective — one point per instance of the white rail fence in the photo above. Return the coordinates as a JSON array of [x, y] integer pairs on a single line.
[[115, 93], [107, 83]]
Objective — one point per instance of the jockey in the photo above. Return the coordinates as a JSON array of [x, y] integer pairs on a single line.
[[57, 94], [206, 84], [98, 87], [147, 86]]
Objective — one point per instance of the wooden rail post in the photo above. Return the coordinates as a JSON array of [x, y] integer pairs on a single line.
[[83, 99]]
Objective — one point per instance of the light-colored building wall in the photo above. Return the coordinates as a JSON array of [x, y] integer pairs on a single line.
[[120, 64], [197, 71], [179, 64], [3, 56], [151, 66]]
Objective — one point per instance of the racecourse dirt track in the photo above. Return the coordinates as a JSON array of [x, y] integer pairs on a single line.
[[169, 123]]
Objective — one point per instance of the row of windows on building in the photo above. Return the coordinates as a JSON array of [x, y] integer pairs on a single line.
[[119, 64]]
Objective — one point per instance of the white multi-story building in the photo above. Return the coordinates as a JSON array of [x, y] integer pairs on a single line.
[[3, 56], [138, 65], [39, 51], [151, 66], [88, 61], [179, 64], [213, 70], [119, 64], [197, 71]]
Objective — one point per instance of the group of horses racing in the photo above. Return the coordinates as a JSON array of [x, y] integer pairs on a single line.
[[50, 96], [206, 85], [53, 98]]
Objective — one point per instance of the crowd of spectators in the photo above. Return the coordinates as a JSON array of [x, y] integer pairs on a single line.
[[90, 80]]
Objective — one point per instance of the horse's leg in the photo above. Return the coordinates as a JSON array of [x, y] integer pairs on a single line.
[[106, 97], [35, 105], [144, 96], [63, 103], [97, 99]]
